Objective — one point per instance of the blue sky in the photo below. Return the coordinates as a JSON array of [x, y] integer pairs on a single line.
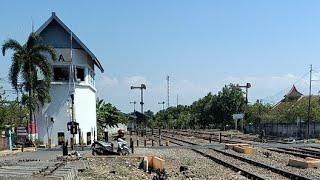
[[202, 45]]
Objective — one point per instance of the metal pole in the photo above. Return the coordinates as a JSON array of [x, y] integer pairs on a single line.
[[246, 109], [134, 105], [309, 103], [143, 86], [247, 86], [162, 104], [145, 123], [168, 92], [141, 101]]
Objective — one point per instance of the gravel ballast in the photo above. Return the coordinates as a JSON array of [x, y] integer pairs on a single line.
[[262, 172], [199, 167], [280, 160]]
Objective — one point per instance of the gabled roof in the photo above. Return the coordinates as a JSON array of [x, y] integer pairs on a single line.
[[291, 97], [136, 115], [55, 18], [293, 92], [301, 100]]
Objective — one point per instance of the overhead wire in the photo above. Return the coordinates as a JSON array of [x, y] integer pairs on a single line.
[[266, 99]]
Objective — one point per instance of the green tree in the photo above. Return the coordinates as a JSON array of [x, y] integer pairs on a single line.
[[11, 113], [207, 112], [30, 64], [149, 115], [230, 101], [258, 112], [108, 115]]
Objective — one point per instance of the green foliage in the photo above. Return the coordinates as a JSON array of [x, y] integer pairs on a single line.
[[258, 113], [289, 112], [30, 64], [209, 111], [11, 113], [108, 115]]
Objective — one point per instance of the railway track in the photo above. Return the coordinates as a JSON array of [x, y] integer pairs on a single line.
[[222, 162], [208, 137], [295, 152], [313, 152], [252, 162], [216, 134]]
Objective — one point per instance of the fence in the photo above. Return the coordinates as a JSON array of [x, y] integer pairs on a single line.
[[286, 129]]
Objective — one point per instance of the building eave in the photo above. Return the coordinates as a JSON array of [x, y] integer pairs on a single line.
[[83, 46]]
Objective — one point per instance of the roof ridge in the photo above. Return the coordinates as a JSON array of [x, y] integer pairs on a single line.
[[66, 28], [293, 92]]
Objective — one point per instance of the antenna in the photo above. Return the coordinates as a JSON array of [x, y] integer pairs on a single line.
[[168, 92], [32, 24]]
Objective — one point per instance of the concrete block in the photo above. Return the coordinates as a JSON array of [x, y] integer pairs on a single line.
[[146, 164], [304, 163], [157, 163], [153, 162]]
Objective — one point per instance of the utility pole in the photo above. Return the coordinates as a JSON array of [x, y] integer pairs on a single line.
[[247, 86], [134, 105], [162, 104], [177, 100], [141, 87], [309, 103], [73, 119], [168, 92]]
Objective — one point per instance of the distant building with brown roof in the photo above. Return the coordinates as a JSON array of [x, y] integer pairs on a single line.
[[294, 97]]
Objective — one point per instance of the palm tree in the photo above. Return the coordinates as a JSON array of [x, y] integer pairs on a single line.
[[107, 115], [29, 62]]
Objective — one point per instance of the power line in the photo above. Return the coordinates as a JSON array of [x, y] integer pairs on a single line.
[[284, 90]]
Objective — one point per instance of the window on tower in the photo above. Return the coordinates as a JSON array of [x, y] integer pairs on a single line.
[[61, 73], [80, 74]]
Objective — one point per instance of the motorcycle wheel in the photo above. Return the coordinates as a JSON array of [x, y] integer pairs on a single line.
[[125, 152]]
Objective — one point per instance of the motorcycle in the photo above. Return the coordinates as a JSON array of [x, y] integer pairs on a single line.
[[102, 148], [123, 148], [106, 148]]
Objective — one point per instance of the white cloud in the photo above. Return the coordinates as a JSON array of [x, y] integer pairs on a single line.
[[270, 88], [134, 80], [108, 81]]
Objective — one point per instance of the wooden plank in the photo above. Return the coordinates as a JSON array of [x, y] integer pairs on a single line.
[[304, 163], [244, 150], [230, 146], [157, 163]]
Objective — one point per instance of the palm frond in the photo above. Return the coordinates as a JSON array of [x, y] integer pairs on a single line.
[[14, 71], [42, 92], [41, 62], [11, 44], [32, 41], [41, 48], [30, 61]]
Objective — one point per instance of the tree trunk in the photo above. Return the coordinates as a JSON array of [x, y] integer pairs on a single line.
[[31, 121]]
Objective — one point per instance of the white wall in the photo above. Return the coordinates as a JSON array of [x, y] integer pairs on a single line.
[[58, 109], [85, 101], [79, 57], [85, 104]]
